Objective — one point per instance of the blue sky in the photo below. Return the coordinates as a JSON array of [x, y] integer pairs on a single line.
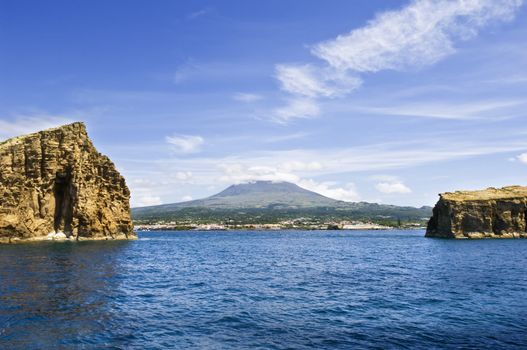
[[382, 101]]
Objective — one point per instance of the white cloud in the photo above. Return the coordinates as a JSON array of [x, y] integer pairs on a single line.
[[184, 175], [296, 165], [296, 108], [186, 198], [185, 143], [239, 173], [26, 125], [347, 193], [145, 201], [299, 80], [310, 81], [392, 187], [247, 97], [523, 158], [390, 184], [289, 165], [307, 83], [419, 34]]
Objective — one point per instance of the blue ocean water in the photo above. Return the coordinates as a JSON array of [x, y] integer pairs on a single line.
[[265, 290]]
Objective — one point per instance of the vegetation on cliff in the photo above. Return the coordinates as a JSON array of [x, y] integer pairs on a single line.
[[490, 213]]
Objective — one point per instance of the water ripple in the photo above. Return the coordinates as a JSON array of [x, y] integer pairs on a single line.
[[265, 290]]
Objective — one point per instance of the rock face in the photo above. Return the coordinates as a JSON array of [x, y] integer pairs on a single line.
[[490, 213], [55, 185]]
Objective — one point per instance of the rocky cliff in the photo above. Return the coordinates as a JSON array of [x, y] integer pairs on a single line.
[[55, 185], [490, 213]]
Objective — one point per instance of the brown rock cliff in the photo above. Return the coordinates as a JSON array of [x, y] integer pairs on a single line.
[[54, 184], [490, 213]]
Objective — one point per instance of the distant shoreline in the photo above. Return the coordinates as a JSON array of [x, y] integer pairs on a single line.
[[279, 229], [59, 237]]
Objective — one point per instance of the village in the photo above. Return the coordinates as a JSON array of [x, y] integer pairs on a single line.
[[296, 224]]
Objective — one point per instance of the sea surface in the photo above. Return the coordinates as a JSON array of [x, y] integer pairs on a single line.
[[265, 290]]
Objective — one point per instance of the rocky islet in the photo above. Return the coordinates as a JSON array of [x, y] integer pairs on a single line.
[[490, 213], [54, 184]]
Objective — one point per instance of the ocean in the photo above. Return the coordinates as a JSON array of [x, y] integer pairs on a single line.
[[265, 290]]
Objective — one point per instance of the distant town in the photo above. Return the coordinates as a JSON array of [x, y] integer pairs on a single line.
[[297, 224]]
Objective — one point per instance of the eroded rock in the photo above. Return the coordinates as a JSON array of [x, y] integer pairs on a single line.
[[55, 182], [490, 213]]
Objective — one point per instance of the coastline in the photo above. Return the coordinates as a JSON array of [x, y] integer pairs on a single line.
[[62, 238], [173, 229], [298, 224]]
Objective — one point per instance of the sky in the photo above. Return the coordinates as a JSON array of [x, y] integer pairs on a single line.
[[366, 100]]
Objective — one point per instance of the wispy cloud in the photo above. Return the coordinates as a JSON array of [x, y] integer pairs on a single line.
[[474, 110], [420, 34], [308, 167], [200, 13], [296, 108], [288, 137], [508, 80], [186, 71], [185, 143], [247, 97], [310, 81]]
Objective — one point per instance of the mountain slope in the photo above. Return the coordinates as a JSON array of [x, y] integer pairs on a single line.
[[266, 201], [262, 194]]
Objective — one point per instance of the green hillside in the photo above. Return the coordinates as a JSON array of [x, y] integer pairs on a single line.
[[272, 202]]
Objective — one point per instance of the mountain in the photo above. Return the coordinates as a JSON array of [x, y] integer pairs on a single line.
[[267, 201], [262, 194]]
